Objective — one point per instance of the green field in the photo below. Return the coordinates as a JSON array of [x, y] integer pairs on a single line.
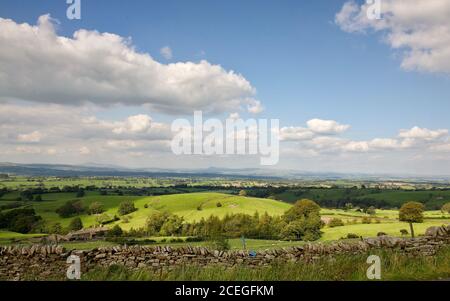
[[194, 206]]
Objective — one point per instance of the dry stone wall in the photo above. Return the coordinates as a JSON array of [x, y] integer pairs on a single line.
[[49, 262]]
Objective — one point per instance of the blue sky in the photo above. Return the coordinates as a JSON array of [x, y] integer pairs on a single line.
[[302, 64]]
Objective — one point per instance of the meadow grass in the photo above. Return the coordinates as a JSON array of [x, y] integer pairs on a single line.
[[190, 206], [194, 206], [371, 230]]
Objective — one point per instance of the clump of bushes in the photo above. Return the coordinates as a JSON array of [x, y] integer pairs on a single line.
[[80, 193], [219, 242], [366, 220], [352, 236], [194, 239], [115, 231], [19, 220], [335, 222], [11, 205], [176, 240], [76, 224], [371, 210], [219, 204], [106, 219], [127, 207], [96, 208], [242, 193], [446, 208], [71, 208], [302, 221]]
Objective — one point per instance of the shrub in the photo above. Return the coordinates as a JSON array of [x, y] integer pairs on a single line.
[[23, 224], [194, 239], [96, 208], [126, 207], [348, 206], [381, 234], [155, 222], [219, 242], [19, 220], [176, 240], [80, 193], [26, 195], [172, 226], [115, 231], [302, 221], [76, 224], [56, 228], [219, 204], [70, 208], [303, 208], [352, 236], [146, 206], [105, 219], [404, 232], [446, 208], [371, 210], [366, 220], [242, 193], [335, 222]]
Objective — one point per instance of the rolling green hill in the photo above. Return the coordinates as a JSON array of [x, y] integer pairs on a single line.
[[191, 206], [194, 206]]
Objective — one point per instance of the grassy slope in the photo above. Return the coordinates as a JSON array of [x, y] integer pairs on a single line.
[[9, 235], [371, 230], [184, 205]]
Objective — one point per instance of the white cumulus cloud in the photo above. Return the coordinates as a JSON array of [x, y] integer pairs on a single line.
[[423, 133], [33, 137], [134, 124], [326, 126], [104, 68], [420, 29]]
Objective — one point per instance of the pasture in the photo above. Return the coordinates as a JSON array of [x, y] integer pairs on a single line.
[[195, 206]]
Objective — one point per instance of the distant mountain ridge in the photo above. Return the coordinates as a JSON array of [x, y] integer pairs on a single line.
[[93, 169]]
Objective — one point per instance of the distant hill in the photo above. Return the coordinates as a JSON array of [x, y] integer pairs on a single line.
[[93, 169]]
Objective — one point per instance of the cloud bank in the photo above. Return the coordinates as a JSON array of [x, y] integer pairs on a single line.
[[105, 69], [419, 29]]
